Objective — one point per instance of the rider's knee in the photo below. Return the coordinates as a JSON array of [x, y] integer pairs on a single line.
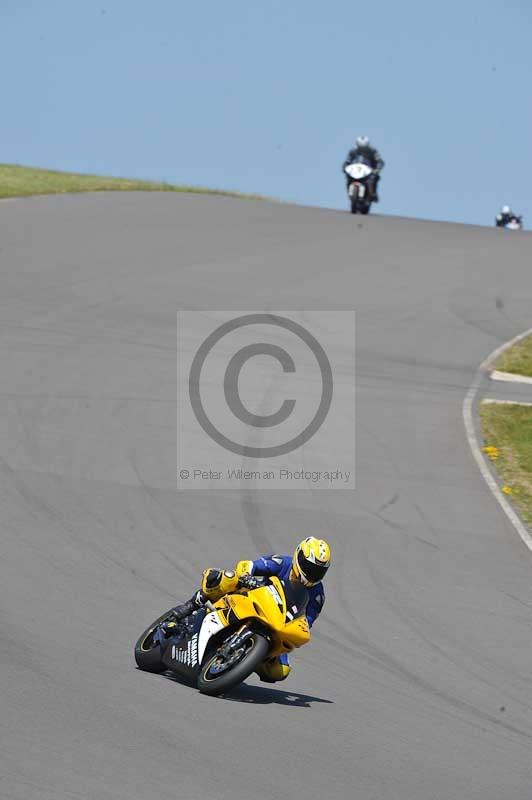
[[282, 671], [274, 670]]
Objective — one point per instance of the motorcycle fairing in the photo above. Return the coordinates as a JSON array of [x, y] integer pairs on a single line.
[[358, 171], [262, 605], [181, 654], [212, 624], [296, 599]]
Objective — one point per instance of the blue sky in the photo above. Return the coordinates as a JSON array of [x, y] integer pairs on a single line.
[[268, 97]]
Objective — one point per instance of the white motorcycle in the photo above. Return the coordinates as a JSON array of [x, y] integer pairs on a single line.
[[358, 190]]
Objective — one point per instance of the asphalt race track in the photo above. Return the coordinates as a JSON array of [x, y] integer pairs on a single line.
[[417, 685]]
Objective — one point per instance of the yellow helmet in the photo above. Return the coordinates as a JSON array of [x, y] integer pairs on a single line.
[[311, 560]]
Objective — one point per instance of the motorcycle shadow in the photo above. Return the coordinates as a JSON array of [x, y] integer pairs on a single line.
[[261, 695]]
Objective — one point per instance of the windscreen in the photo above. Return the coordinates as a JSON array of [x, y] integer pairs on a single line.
[[362, 160], [297, 599]]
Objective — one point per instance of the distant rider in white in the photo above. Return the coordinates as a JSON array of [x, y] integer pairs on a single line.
[[371, 156], [505, 216]]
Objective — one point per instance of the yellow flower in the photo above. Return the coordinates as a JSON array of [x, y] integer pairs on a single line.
[[507, 490], [491, 451]]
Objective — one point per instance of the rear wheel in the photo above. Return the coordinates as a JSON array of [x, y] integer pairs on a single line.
[[222, 672], [148, 649]]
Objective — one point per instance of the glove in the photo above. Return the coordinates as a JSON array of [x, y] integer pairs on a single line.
[[249, 582]]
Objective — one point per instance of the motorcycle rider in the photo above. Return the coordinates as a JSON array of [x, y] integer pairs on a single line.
[[372, 157], [308, 565], [505, 216]]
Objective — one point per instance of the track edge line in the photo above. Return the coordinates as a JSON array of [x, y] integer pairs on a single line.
[[476, 450]]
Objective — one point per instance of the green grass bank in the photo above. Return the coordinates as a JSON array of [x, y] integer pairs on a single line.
[[507, 434], [18, 181], [517, 359]]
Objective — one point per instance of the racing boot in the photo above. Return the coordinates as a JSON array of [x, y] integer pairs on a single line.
[[172, 627], [185, 609], [375, 186]]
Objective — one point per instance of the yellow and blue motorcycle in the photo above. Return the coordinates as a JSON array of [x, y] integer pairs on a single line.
[[220, 645]]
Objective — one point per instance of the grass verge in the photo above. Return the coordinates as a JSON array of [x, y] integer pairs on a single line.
[[507, 434], [17, 181], [517, 359]]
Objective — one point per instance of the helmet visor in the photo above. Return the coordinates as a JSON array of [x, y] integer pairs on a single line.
[[312, 572]]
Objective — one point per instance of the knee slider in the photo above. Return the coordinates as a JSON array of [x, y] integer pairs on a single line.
[[282, 672], [274, 670]]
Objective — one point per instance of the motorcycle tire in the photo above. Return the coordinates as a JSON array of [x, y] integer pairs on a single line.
[[147, 651], [254, 655]]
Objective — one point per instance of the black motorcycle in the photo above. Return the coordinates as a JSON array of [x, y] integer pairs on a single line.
[[359, 188]]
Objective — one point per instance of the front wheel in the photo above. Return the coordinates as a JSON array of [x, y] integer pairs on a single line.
[[354, 200], [222, 672], [148, 648], [359, 205]]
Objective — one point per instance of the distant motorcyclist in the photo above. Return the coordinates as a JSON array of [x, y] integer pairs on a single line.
[[506, 216], [308, 566], [371, 156]]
